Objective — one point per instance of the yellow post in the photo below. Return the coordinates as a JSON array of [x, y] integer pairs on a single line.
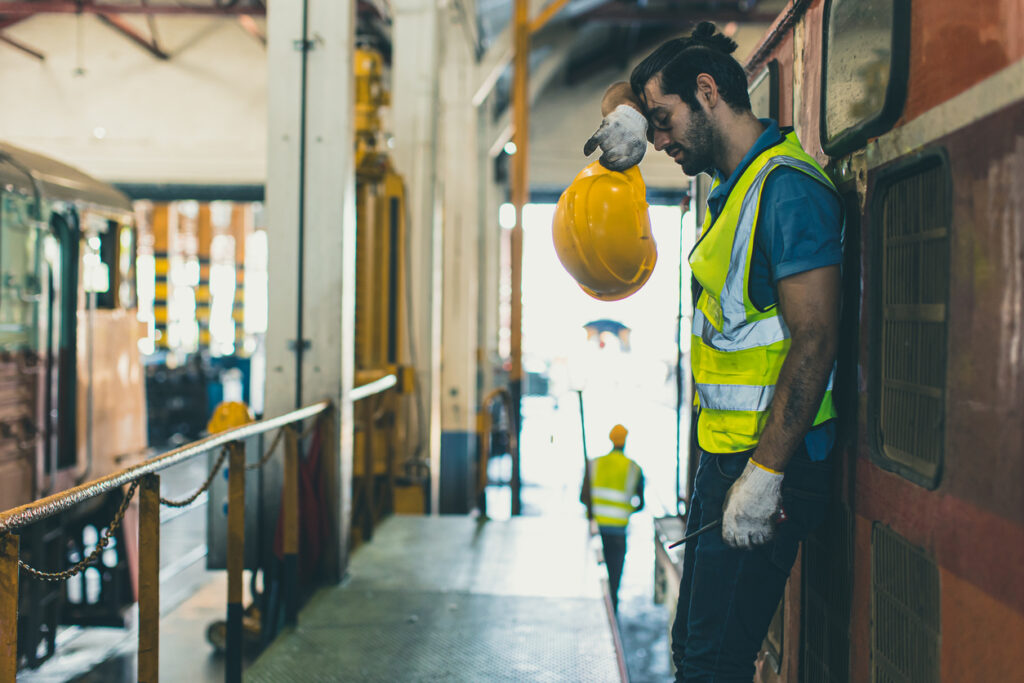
[[8, 607], [520, 195], [236, 559], [547, 14], [149, 579], [291, 525]]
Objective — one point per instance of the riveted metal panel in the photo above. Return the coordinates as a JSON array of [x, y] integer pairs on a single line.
[[905, 610]]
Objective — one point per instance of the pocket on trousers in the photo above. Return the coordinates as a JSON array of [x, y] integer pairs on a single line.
[[807, 480], [731, 465]]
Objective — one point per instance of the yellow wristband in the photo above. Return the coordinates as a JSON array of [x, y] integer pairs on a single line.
[[766, 469]]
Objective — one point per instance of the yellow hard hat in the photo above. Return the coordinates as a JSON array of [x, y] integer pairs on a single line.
[[618, 436], [228, 415], [602, 232]]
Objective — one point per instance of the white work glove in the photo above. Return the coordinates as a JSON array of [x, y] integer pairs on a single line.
[[750, 506], [623, 138]]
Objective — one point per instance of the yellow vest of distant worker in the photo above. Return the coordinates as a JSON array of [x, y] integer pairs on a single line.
[[613, 480], [737, 349]]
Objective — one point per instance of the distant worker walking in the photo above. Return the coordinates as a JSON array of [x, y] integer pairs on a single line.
[[613, 489]]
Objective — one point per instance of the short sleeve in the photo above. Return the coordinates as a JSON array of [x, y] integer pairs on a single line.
[[799, 229]]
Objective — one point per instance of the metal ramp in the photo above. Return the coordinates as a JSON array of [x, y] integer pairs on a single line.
[[448, 599]]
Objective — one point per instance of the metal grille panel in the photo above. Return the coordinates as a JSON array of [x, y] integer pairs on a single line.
[[915, 284], [827, 583], [905, 623]]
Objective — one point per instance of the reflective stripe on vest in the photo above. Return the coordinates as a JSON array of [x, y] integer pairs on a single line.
[[613, 480], [738, 350]]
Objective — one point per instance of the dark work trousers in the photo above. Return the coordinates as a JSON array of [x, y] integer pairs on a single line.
[[727, 596], [614, 544]]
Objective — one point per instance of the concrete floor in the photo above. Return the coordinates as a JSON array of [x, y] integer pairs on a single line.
[[456, 599]]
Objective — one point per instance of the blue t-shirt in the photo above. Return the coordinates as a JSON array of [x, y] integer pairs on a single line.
[[799, 229]]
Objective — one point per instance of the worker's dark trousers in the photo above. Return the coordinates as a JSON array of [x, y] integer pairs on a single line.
[[614, 549], [727, 597]]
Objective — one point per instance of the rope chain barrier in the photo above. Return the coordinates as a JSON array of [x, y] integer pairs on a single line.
[[104, 540], [101, 545], [270, 451], [209, 480]]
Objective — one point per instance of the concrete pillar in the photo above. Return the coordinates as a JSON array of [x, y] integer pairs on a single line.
[[459, 179], [310, 206], [415, 97]]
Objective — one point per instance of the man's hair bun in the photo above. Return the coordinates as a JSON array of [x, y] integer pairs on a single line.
[[706, 35]]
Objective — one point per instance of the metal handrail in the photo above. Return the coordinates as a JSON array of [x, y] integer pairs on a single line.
[[21, 516], [144, 477], [375, 387]]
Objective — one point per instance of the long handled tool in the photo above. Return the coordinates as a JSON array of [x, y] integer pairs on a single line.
[[703, 530], [779, 517], [586, 460]]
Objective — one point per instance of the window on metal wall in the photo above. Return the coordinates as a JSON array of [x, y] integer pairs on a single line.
[[864, 80], [913, 221], [20, 272], [764, 92]]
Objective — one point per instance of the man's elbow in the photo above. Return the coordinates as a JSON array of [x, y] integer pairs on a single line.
[[819, 345]]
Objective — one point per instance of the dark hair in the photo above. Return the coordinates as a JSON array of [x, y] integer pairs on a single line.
[[680, 60]]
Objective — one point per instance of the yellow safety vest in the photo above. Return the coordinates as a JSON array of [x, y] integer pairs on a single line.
[[737, 350], [613, 480]]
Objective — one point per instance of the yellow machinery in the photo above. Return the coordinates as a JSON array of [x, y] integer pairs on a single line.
[[382, 449]]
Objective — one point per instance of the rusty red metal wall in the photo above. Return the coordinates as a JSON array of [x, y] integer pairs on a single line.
[[956, 44], [973, 523]]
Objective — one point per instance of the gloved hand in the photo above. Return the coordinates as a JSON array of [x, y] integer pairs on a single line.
[[750, 504], [623, 138]]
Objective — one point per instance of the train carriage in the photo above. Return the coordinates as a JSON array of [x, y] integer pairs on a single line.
[[72, 405], [917, 111]]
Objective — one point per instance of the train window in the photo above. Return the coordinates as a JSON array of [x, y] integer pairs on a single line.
[[912, 222], [864, 79], [20, 281], [126, 293], [905, 610], [764, 92]]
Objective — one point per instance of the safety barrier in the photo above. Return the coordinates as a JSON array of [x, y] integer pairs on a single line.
[[145, 478]]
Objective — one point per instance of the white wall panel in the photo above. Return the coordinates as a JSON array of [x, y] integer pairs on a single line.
[[198, 117]]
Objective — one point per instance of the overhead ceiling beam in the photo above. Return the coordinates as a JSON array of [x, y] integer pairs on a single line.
[[10, 21], [499, 55], [72, 7], [682, 15], [540, 77], [23, 47], [150, 45]]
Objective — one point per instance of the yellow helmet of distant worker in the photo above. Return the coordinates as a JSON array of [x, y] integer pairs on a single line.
[[618, 436], [602, 232]]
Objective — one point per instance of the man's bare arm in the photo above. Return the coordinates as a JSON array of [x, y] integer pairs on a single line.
[[616, 94], [809, 304]]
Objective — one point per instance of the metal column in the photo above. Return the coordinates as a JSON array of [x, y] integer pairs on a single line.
[[311, 208]]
